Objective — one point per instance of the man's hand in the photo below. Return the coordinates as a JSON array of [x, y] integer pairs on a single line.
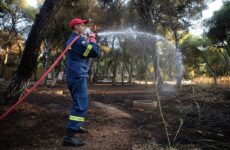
[[92, 37]]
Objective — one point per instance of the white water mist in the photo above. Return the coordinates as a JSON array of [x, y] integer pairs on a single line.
[[133, 34]]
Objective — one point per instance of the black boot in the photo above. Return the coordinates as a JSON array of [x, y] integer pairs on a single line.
[[70, 140]]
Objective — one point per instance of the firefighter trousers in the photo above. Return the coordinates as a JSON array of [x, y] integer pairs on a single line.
[[78, 90]]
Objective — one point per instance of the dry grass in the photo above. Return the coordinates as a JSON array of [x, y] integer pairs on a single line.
[[149, 145], [203, 80]]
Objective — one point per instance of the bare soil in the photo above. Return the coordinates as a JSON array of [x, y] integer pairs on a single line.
[[202, 112]]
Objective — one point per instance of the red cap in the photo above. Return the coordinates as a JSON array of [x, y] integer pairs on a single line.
[[75, 21]]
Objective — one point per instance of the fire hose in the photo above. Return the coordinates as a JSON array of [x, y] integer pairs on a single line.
[[28, 92]]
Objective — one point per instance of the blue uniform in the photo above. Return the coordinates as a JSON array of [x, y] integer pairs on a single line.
[[77, 68]]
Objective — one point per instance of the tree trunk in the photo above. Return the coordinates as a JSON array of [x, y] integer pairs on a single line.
[[96, 71], [131, 70], [90, 80], [3, 67], [105, 69], [170, 67], [114, 63], [145, 59], [56, 73], [131, 65], [47, 61], [114, 72], [20, 52], [35, 73], [210, 67], [227, 49], [123, 73], [226, 58], [30, 53], [6, 56], [125, 64], [157, 74], [179, 67]]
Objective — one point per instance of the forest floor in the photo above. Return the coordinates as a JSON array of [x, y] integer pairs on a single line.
[[200, 116]]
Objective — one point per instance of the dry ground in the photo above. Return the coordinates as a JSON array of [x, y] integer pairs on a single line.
[[203, 113]]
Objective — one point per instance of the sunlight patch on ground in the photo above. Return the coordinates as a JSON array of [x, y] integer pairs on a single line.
[[115, 92], [142, 82], [184, 82]]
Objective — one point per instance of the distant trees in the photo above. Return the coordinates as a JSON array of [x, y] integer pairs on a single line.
[[130, 58], [15, 17], [150, 11], [201, 57], [177, 16], [209, 55], [219, 31], [163, 15]]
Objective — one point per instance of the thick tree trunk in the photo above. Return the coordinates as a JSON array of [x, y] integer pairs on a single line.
[[30, 53]]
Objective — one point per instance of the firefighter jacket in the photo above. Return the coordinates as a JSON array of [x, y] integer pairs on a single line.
[[77, 57]]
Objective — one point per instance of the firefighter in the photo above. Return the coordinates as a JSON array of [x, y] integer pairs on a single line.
[[77, 67]]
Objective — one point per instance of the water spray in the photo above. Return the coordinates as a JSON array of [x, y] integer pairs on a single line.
[[131, 33]]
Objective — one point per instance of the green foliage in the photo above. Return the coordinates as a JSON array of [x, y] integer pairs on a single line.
[[179, 13], [15, 17], [166, 16], [58, 31], [219, 34], [195, 50], [15, 12], [219, 24]]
